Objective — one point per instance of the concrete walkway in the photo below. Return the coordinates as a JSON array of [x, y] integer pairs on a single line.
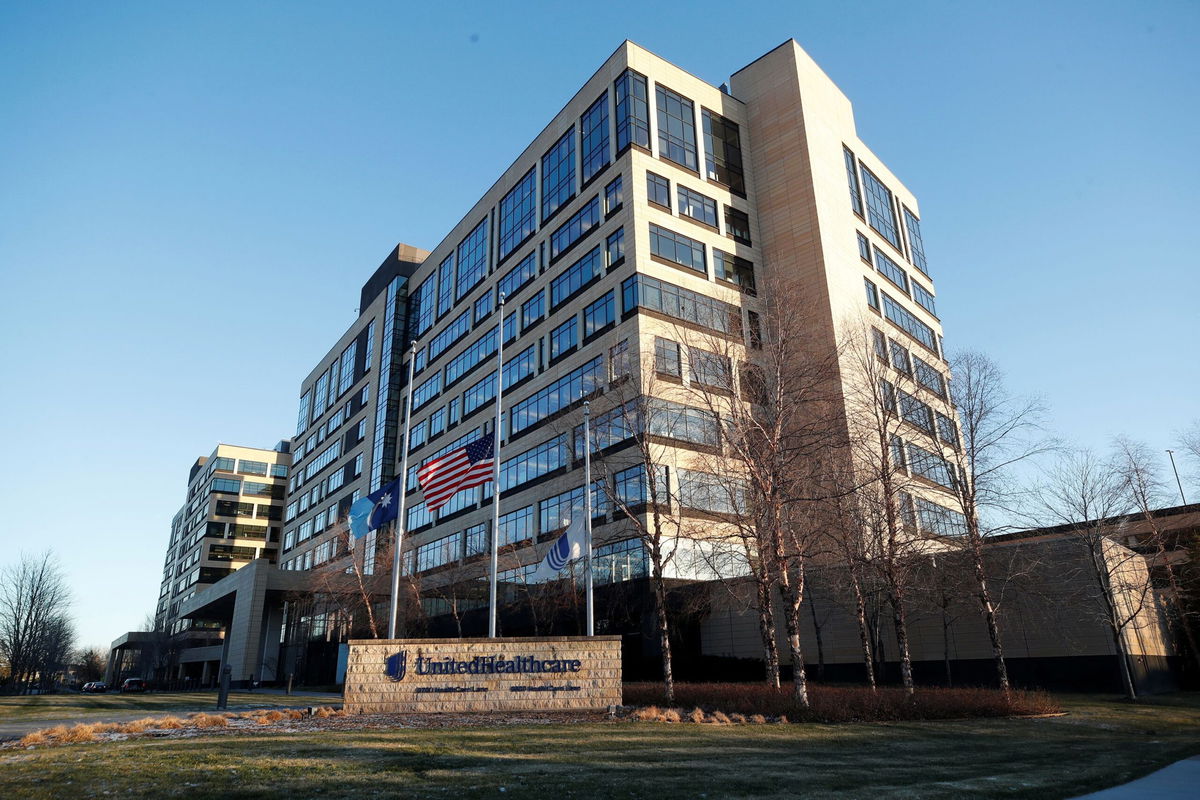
[[272, 698], [1180, 781]]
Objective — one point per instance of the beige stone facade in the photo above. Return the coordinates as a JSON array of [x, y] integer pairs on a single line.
[[459, 675]]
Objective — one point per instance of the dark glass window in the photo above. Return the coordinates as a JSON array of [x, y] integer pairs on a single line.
[[682, 304], [224, 464], [754, 323], [566, 390], [723, 151], [737, 225], [864, 248], [533, 310], [593, 128], [915, 243], [518, 219], [445, 276], [891, 270], [484, 306], [852, 180], [697, 206], [421, 304], [735, 270], [519, 275], [564, 337], [658, 190], [900, 358], [677, 248], [581, 223], [676, 128], [599, 314], [575, 277], [881, 214], [446, 337], [558, 174], [472, 259], [666, 357], [614, 196], [710, 369], [909, 323], [633, 110], [252, 467], [924, 299], [872, 295], [427, 391], [615, 246], [480, 349]]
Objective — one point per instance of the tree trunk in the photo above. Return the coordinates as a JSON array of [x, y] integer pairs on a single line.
[[989, 611], [812, 607], [792, 595], [766, 630], [900, 621], [946, 642], [864, 632], [664, 637]]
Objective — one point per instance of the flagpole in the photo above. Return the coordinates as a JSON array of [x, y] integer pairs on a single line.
[[400, 521], [496, 472], [587, 509]]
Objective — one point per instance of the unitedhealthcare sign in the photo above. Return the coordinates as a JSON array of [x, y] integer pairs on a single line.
[[545, 673]]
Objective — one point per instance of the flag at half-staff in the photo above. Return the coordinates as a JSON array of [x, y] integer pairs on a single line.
[[566, 548], [375, 510], [468, 466]]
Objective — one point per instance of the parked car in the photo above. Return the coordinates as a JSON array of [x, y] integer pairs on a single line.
[[133, 685], [95, 687]]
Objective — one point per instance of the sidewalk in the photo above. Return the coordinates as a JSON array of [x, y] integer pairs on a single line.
[[1178, 781]]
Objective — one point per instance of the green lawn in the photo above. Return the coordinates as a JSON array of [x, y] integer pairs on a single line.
[[1102, 742], [56, 706]]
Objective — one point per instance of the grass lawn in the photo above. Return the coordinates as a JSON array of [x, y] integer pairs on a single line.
[[1102, 742], [58, 706]]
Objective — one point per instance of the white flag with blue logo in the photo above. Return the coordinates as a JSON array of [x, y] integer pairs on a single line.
[[565, 549]]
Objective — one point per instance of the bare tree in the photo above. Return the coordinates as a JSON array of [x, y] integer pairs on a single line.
[[1189, 442], [1087, 496], [36, 633], [92, 662], [998, 431]]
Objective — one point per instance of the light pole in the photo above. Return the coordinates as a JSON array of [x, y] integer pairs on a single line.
[[1171, 454]]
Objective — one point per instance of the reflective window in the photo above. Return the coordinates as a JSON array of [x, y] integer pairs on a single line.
[[575, 277], [872, 295], [683, 304], [614, 196], [533, 463], [915, 243], [445, 276], [924, 299], [940, 520], [532, 310], [517, 526], [427, 391], [633, 110], [710, 369], [666, 357], [519, 275], [518, 220], [614, 245], [676, 128], [484, 306], [599, 315], [581, 223], [864, 248], [347, 367], [909, 323], [558, 174], [737, 225], [593, 129], [891, 270], [564, 338], [677, 248], [681, 422], [480, 349], [735, 270], [566, 390], [455, 330], [852, 180], [697, 206], [723, 151], [472, 260], [658, 190], [881, 214]]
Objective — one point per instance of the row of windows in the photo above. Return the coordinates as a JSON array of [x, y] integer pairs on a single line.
[[334, 382], [881, 211], [896, 274], [643, 291], [581, 223], [697, 206]]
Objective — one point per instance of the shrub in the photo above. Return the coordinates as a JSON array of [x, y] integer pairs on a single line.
[[844, 703], [210, 720], [696, 716]]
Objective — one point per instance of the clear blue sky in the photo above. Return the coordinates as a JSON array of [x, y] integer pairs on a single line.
[[192, 194]]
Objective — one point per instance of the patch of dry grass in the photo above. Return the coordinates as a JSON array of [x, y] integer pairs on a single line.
[[205, 720]]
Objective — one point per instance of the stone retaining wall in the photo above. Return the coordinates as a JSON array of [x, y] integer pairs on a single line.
[[456, 675]]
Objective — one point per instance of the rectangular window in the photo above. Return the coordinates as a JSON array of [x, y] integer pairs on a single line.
[[347, 367], [735, 270], [418, 435], [517, 526], [520, 366], [677, 248], [872, 295], [939, 520], [658, 190], [593, 129], [614, 196], [915, 243], [754, 326], [279, 471], [535, 462], [445, 276], [704, 491], [564, 338], [555, 512], [574, 386], [421, 305], [682, 304], [881, 214], [676, 128], [465, 361], [581, 223], [864, 248], [675, 421], [437, 422], [484, 306], [459, 327], [909, 323], [723, 151], [533, 310], [891, 270], [737, 225], [915, 412], [614, 246], [472, 260], [518, 276], [879, 341], [518, 213], [710, 369], [852, 180], [427, 391], [558, 174], [305, 404], [599, 315], [618, 360], [633, 111], [929, 378], [947, 432], [572, 279], [931, 466], [321, 396], [900, 358], [252, 467], [475, 540], [924, 299], [480, 393], [697, 206], [227, 485]]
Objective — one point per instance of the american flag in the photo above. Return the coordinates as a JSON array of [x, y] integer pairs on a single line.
[[468, 466]]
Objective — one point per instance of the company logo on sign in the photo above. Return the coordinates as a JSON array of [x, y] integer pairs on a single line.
[[397, 665]]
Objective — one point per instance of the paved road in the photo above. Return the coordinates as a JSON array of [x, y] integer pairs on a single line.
[[1180, 781], [272, 698]]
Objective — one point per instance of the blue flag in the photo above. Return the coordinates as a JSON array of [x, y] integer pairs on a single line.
[[375, 510]]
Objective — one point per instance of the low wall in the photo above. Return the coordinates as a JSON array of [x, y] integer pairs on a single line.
[[536, 674]]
